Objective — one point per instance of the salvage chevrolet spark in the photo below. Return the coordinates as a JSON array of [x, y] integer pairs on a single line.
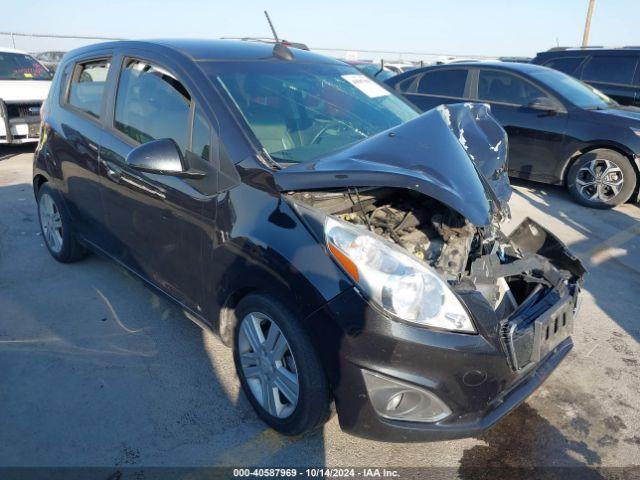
[[346, 247]]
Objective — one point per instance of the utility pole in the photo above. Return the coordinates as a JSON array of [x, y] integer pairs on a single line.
[[587, 24]]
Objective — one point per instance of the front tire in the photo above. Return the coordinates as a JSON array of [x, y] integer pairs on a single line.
[[601, 179], [279, 370], [57, 229]]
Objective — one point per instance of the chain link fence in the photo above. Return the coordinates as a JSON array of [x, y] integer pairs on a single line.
[[37, 42]]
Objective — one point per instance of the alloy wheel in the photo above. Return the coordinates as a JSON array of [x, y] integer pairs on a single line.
[[600, 179], [268, 365], [51, 222]]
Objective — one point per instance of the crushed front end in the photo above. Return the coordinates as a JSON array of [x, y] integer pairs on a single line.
[[451, 373]]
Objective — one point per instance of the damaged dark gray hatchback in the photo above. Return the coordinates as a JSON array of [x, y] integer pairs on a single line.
[[346, 247]]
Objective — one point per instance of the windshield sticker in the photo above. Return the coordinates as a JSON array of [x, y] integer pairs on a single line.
[[367, 86]]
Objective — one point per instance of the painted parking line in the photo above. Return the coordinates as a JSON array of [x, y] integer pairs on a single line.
[[611, 247], [255, 450]]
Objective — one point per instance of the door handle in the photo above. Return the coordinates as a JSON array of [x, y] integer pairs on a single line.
[[113, 174], [144, 188]]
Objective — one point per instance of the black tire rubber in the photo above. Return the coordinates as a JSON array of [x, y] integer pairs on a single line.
[[314, 398], [72, 250], [629, 178]]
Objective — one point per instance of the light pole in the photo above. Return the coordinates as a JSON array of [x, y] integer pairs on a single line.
[[587, 24]]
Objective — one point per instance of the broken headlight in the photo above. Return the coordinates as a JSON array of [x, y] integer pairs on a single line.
[[388, 276]]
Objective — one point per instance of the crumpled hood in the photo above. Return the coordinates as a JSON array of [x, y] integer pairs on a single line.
[[455, 153], [24, 90]]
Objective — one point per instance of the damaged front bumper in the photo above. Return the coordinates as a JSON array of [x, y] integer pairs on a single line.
[[477, 378]]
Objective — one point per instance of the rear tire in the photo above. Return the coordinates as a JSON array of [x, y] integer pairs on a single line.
[[57, 228], [303, 402], [601, 179]]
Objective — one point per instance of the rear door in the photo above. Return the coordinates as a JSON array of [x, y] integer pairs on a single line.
[[75, 142], [613, 75], [436, 87], [158, 222], [535, 137]]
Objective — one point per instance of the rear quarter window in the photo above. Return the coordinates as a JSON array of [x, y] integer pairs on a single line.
[[567, 65], [447, 83], [406, 85], [87, 86], [610, 69]]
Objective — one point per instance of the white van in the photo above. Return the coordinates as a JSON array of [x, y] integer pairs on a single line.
[[24, 85]]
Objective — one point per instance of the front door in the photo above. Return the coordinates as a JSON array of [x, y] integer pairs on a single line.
[[535, 137], [157, 221]]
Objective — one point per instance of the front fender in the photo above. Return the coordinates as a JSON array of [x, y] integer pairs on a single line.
[[261, 244]]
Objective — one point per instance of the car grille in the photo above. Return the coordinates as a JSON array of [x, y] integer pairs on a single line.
[[23, 110], [528, 342]]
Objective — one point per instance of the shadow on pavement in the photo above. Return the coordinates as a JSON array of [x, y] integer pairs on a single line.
[[9, 151], [100, 370], [609, 249], [519, 444]]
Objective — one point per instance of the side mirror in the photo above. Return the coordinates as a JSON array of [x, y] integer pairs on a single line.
[[162, 157], [544, 104]]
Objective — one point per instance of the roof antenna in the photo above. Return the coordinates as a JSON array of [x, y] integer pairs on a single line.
[[273, 30], [280, 50]]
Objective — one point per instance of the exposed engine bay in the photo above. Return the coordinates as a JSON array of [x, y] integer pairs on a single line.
[[467, 256]]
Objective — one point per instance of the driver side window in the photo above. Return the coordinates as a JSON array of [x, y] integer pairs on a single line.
[[152, 104], [503, 87]]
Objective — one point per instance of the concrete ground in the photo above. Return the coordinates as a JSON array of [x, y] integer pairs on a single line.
[[98, 370]]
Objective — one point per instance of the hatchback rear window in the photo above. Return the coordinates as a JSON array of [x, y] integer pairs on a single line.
[[618, 69], [87, 86]]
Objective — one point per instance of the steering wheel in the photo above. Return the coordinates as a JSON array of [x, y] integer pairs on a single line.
[[338, 126]]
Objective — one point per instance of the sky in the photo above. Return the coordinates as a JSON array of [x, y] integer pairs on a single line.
[[462, 27]]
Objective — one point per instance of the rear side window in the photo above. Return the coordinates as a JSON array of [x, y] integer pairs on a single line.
[[87, 86], [448, 83], [405, 86], [566, 65], [494, 86], [618, 69], [152, 104]]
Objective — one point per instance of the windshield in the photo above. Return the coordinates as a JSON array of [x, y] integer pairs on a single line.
[[20, 66], [301, 111], [577, 92]]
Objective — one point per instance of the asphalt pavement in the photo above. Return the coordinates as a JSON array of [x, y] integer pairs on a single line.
[[98, 370]]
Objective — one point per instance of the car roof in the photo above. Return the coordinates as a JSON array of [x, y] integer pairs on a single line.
[[209, 50], [513, 66], [524, 68], [12, 50], [572, 50]]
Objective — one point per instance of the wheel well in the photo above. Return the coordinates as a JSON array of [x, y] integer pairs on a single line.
[[591, 148], [226, 320], [38, 181]]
